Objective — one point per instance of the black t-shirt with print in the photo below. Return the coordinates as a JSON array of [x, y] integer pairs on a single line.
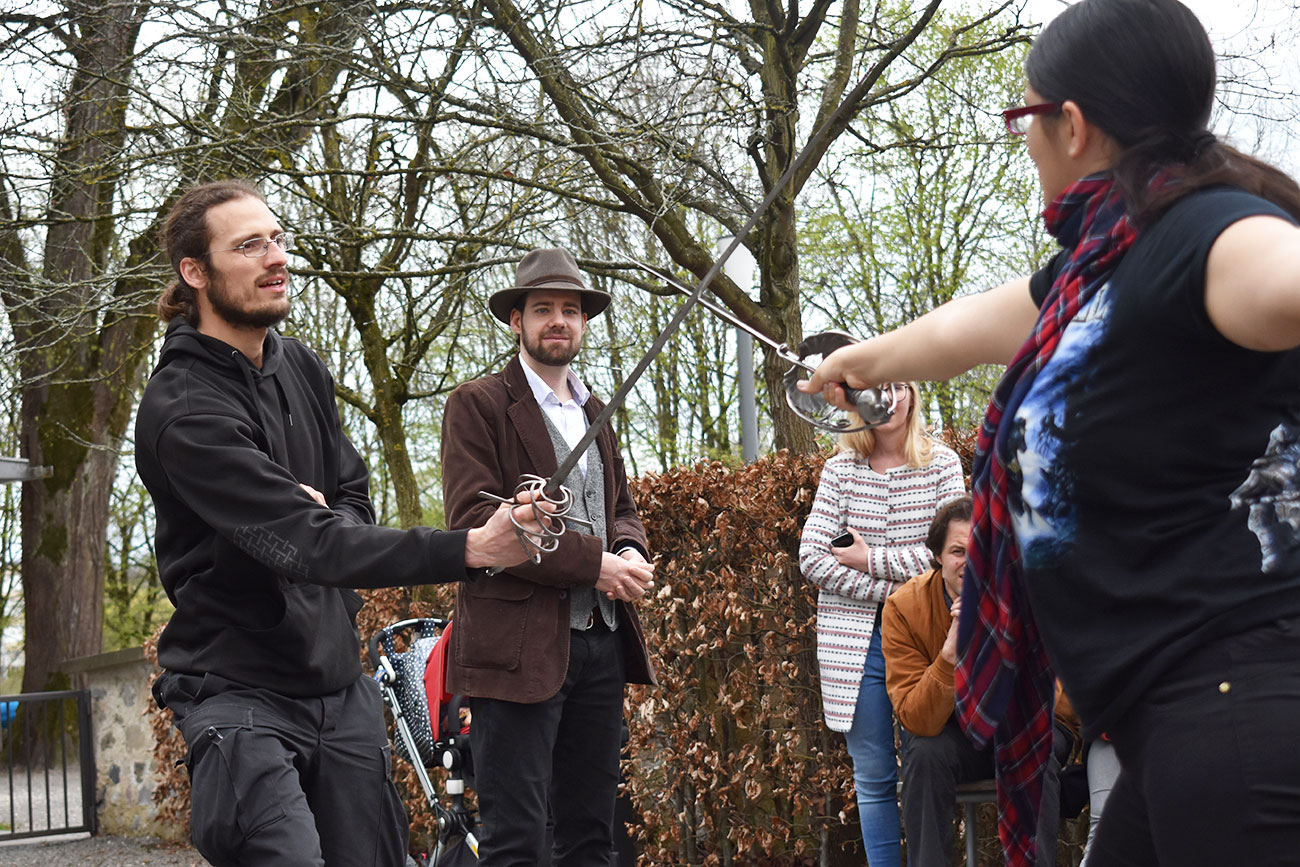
[[1159, 503]]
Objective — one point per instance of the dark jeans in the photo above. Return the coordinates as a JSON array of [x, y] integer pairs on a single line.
[[274, 780], [932, 769], [1210, 760], [563, 752]]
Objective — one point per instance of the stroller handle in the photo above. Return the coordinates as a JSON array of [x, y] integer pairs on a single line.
[[395, 629]]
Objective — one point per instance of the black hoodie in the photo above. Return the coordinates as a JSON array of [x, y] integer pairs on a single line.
[[256, 568]]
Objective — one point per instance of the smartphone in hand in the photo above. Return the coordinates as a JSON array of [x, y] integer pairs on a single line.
[[843, 540]]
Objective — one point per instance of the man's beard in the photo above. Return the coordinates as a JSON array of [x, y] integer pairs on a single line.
[[225, 305], [552, 356]]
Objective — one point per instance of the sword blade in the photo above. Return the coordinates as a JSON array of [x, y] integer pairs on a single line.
[[781, 349], [566, 466]]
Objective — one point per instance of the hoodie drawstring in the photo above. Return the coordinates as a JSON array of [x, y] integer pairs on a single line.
[[246, 367], [284, 401]]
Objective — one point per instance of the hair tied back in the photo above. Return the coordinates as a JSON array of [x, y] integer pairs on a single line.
[[1201, 142]]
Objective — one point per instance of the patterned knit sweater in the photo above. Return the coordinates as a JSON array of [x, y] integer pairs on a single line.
[[892, 511]]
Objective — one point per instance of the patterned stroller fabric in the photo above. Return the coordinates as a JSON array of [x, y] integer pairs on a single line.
[[412, 698]]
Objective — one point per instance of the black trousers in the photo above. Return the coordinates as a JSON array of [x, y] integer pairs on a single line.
[[562, 752], [932, 769], [302, 782], [1210, 761]]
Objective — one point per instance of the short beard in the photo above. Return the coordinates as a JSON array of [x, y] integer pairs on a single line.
[[224, 306], [550, 356]]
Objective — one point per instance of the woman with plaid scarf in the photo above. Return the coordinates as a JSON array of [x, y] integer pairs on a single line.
[[1136, 526]]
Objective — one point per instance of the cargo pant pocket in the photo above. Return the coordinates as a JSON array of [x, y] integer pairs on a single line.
[[235, 780]]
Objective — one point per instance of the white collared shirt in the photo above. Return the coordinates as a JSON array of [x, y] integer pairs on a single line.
[[568, 417]]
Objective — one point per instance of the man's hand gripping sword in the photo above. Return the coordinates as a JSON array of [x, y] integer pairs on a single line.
[[551, 521]]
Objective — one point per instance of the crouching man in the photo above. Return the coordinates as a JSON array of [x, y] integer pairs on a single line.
[[919, 639]]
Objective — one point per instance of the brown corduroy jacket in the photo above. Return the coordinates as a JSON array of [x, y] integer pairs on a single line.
[[511, 639]]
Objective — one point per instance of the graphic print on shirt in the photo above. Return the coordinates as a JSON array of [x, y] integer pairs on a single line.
[[1045, 517], [1269, 491]]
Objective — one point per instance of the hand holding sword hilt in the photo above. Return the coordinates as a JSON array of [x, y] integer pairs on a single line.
[[875, 406], [551, 521]]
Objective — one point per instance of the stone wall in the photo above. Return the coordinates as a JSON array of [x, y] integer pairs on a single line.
[[125, 773]]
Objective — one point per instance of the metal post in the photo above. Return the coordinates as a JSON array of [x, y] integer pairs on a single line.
[[89, 774], [740, 270], [748, 401]]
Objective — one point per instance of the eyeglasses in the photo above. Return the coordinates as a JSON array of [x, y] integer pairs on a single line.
[[256, 248], [1018, 118], [896, 391]]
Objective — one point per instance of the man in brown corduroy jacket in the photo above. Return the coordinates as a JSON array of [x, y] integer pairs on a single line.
[[545, 650]]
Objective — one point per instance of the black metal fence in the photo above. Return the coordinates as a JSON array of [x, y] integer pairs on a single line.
[[47, 764]]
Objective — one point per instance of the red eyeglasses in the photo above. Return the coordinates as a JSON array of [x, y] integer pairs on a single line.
[[1018, 118]]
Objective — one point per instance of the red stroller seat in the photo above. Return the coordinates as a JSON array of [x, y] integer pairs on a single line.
[[449, 711]]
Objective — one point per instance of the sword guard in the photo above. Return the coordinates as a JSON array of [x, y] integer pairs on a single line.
[[536, 543], [874, 405]]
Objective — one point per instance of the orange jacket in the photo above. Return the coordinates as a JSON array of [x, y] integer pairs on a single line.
[[914, 624]]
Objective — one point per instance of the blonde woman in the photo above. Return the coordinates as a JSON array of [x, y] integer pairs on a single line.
[[878, 494]]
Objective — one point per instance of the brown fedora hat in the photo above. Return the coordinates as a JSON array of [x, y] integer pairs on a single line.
[[553, 268]]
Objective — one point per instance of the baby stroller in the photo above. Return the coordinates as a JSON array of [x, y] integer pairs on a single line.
[[429, 727]]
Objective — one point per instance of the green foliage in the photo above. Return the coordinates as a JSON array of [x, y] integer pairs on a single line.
[[134, 601], [683, 406], [933, 201]]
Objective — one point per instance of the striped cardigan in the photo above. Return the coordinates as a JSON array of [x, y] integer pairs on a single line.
[[892, 511]]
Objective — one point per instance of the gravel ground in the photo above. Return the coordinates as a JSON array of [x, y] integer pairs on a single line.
[[86, 851]]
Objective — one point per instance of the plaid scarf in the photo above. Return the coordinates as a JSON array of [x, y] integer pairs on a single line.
[[1005, 684]]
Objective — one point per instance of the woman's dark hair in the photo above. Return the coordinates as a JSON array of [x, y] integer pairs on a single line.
[[953, 510], [185, 236], [1144, 72]]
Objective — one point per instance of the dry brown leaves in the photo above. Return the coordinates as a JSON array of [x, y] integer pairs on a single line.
[[729, 761]]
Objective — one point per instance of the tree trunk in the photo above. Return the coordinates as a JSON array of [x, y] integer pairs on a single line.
[[791, 432], [391, 427], [64, 534], [79, 368], [778, 253]]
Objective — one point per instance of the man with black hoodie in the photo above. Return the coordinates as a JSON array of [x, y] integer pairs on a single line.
[[264, 522]]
